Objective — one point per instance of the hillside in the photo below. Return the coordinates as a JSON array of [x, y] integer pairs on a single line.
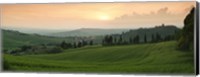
[[163, 31], [14, 39], [159, 58], [89, 32]]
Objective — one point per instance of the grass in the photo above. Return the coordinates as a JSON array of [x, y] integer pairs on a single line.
[[144, 58]]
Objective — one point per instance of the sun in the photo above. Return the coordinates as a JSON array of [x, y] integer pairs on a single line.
[[104, 17]]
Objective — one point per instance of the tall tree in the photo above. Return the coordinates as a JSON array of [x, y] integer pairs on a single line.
[[131, 40], [145, 38], [108, 40], [136, 39], [79, 44], [120, 39], [158, 37], [63, 45], [115, 40], [186, 40], [84, 43], [152, 38], [91, 42], [74, 45]]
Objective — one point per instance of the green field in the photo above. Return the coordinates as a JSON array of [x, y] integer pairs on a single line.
[[142, 58]]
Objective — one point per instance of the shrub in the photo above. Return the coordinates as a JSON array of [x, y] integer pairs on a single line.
[[55, 50], [6, 65]]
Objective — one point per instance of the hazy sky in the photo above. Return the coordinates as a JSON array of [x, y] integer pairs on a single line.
[[94, 15]]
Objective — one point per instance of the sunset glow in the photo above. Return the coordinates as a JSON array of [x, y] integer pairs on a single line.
[[104, 17], [94, 15]]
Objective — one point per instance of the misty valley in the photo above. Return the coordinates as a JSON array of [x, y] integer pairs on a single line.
[[37, 44]]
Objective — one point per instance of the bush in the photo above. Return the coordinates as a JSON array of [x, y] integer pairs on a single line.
[[55, 50], [5, 65]]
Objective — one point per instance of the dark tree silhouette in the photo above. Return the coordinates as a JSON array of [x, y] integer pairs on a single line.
[[108, 40], [136, 39], [186, 40], [158, 37], [84, 43], [145, 38], [91, 42], [74, 45], [115, 40], [79, 44], [25, 47], [131, 40], [120, 39], [152, 38], [64, 45]]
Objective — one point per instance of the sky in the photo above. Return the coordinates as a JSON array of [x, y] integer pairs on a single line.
[[70, 16]]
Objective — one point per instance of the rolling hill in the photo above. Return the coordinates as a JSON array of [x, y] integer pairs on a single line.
[[14, 39], [88, 32], [163, 31], [159, 58]]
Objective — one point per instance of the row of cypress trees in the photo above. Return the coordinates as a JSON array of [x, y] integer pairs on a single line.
[[113, 40]]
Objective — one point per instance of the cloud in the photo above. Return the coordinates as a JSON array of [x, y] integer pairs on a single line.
[[153, 18], [163, 11]]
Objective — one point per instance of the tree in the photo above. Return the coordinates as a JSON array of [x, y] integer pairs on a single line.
[[115, 40], [136, 39], [79, 44], [186, 40], [120, 39], [25, 47], [163, 25], [16, 51], [63, 45], [158, 37], [74, 45], [105, 39], [84, 43], [131, 40], [152, 38], [91, 42], [108, 40], [55, 50], [169, 37], [6, 65], [145, 38], [69, 45]]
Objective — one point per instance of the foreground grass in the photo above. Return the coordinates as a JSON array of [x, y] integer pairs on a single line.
[[143, 58]]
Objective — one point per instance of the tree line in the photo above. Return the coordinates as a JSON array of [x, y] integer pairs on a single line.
[[137, 39], [48, 48], [78, 44]]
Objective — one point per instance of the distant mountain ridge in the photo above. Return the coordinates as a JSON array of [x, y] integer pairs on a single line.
[[163, 31], [13, 39], [89, 32]]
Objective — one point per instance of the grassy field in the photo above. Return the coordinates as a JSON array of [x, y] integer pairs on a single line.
[[143, 58]]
